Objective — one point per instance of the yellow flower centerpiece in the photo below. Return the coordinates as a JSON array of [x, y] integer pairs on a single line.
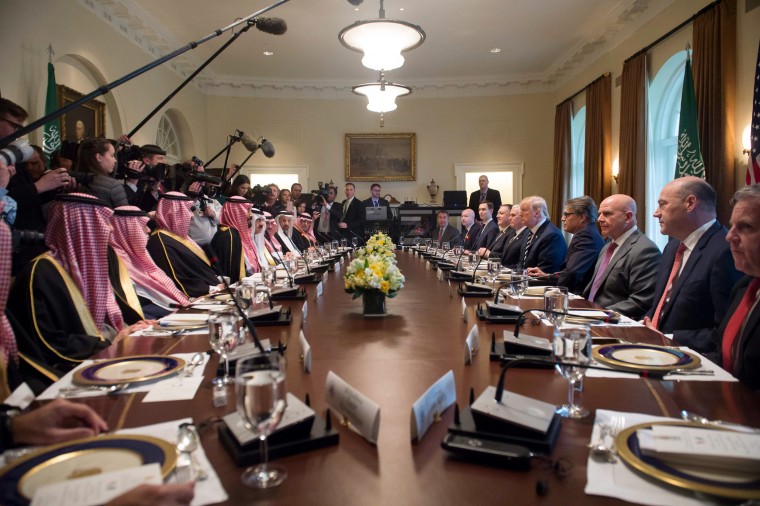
[[374, 275]]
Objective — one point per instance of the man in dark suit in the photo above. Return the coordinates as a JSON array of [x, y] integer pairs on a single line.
[[490, 229], [697, 273], [497, 245], [470, 230], [444, 232], [626, 270], [485, 194], [737, 339], [579, 219], [327, 216], [545, 245], [510, 256], [351, 223], [377, 201]]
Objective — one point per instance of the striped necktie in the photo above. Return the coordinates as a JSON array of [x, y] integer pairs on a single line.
[[531, 235]]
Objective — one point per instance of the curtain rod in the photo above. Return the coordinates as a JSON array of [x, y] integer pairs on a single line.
[[606, 74], [674, 30]]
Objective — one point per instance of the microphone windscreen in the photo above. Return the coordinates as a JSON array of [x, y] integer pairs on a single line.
[[275, 26], [355, 2], [267, 148], [249, 142]]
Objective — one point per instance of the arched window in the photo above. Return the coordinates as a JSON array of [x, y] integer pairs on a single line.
[[167, 139], [664, 113], [578, 133]]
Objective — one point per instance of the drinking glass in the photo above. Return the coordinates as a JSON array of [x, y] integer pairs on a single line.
[[334, 246], [244, 293], [354, 242], [556, 299], [343, 243], [291, 265], [494, 267], [268, 278], [445, 246], [518, 283], [572, 347], [261, 400], [223, 333]]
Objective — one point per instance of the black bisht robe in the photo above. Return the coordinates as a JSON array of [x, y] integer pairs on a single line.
[[228, 250], [184, 262]]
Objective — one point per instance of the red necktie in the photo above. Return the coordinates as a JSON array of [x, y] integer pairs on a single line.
[[600, 273], [440, 234], [734, 326], [669, 285]]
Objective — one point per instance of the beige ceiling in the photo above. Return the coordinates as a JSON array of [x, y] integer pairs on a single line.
[[542, 42]]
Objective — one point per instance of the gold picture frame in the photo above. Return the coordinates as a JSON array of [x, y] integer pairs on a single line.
[[92, 114], [381, 157]]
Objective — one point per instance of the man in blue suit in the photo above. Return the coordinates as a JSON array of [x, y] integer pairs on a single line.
[[545, 246], [579, 219], [694, 285]]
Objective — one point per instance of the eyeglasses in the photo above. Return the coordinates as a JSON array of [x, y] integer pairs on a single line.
[[566, 215], [16, 126]]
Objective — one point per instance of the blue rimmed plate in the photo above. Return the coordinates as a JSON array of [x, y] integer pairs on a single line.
[[698, 479], [77, 459], [637, 357], [134, 369]]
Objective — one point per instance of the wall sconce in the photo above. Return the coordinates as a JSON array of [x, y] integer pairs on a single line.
[[615, 170]]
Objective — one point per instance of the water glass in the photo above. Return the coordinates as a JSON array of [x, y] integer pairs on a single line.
[[556, 300], [244, 293], [354, 242], [223, 333], [571, 347], [518, 283], [261, 400], [343, 243]]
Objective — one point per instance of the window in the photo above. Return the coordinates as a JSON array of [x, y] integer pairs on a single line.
[[166, 139], [664, 113], [578, 135]]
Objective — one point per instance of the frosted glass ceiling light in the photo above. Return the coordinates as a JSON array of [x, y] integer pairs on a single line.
[[382, 40], [381, 95]]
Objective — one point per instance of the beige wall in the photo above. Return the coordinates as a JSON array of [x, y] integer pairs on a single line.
[[449, 131]]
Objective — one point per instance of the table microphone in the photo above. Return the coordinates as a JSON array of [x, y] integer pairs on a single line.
[[475, 270], [269, 298], [459, 258], [248, 323], [353, 234]]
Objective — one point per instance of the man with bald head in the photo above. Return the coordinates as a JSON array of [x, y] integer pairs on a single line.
[[625, 273], [698, 271]]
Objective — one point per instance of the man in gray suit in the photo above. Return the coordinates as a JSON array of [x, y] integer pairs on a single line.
[[626, 271], [445, 232]]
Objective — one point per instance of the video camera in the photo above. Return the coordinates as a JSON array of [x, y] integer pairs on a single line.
[[260, 194], [125, 153]]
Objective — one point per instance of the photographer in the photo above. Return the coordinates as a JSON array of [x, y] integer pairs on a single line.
[[327, 215], [205, 208], [141, 171]]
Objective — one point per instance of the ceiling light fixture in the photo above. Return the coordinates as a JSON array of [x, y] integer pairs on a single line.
[[382, 95], [382, 40]]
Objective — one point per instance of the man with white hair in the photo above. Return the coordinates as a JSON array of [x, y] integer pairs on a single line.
[[545, 246], [285, 233]]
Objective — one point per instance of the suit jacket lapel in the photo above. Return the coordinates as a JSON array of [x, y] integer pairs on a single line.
[[692, 262], [620, 254]]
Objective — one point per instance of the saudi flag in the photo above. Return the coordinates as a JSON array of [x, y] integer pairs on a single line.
[[52, 133], [689, 161]]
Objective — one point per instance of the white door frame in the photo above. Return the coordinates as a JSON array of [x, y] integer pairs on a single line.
[[516, 168], [301, 170]]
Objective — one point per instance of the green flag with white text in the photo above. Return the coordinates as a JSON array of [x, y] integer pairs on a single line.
[[689, 161], [51, 139]]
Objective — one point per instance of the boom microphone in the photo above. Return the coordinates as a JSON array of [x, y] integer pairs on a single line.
[[249, 142], [355, 2], [267, 148], [275, 26]]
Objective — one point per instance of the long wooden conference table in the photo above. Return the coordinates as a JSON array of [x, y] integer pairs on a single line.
[[393, 360]]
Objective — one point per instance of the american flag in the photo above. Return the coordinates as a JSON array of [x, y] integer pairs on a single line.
[[753, 167]]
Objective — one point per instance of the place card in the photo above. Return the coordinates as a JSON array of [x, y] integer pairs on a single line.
[[428, 408], [320, 287], [471, 344], [516, 409], [361, 413], [21, 397], [304, 311], [97, 489], [305, 351], [464, 310], [440, 274]]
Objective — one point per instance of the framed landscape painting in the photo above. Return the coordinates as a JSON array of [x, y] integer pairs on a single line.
[[381, 157]]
